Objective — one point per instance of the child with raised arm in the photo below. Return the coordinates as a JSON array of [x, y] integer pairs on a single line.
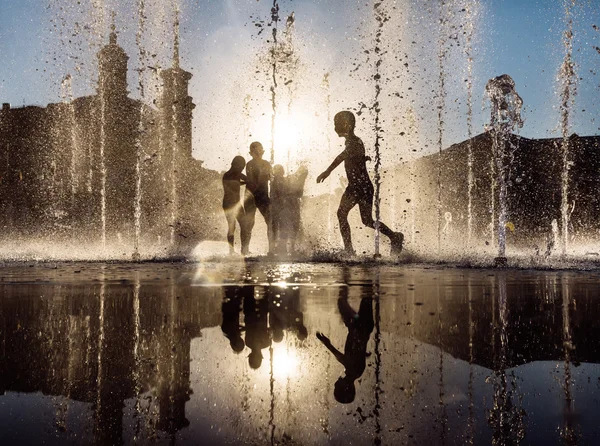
[[232, 204], [360, 188], [354, 359]]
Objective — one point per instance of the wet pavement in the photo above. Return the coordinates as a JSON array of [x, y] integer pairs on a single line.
[[229, 354]]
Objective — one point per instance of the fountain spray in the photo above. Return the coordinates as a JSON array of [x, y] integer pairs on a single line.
[[175, 126], [470, 177], [327, 87], [505, 118], [442, 53], [381, 17], [67, 94], [567, 78], [274, 22], [140, 130]]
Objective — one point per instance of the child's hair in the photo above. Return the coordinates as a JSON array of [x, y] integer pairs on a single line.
[[238, 163], [344, 390], [278, 170], [345, 117], [237, 344], [256, 148], [255, 359]]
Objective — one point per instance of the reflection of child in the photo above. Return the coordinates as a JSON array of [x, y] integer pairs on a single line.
[[256, 322], [286, 314], [360, 325], [231, 308], [232, 205]]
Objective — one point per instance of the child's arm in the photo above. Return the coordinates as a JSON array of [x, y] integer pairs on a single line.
[[327, 343], [336, 162], [243, 179]]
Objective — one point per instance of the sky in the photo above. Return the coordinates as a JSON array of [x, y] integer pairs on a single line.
[[326, 63]]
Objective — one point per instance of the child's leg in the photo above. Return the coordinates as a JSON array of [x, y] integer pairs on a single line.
[[250, 209], [365, 315], [365, 205], [346, 311], [241, 219], [347, 202], [230, 216], [265, 210]]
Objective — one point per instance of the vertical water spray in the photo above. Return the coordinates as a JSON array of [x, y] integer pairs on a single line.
[[469, 54], [67, 95], [175, 126], [381, 17], [567, 78], [290, 82], [505, 118], [140, 130], [442, 53], [274, 22], [412, 130], [327, 87], [99, 8]]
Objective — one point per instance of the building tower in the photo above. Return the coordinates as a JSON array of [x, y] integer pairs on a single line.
[[176, 108], [112, 66]]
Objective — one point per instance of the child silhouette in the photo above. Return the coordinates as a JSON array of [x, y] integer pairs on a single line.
[[232, 205], [360, 188]]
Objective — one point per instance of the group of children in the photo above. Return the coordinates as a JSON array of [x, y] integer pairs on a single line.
[[281, 209]]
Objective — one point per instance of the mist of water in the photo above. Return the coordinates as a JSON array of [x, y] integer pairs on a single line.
[[140, 129], [380, 17], [274, 22], [445, 17], [505, 118]]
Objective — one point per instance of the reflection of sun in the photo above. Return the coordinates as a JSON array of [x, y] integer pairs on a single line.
[[285, 362]]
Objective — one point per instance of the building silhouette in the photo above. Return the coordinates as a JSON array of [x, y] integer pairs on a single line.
[[416, 189], [70, 169]]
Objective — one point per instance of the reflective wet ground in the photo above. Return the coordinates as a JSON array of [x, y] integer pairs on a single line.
[[229, 354]]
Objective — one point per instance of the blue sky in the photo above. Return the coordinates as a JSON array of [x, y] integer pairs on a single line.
[[221, 48]]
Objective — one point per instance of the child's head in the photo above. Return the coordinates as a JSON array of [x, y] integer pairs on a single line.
[[344, 123], [237, 344], [256, 150], [277, 334], [238, 164], [278, 170], [344, 390], [255, 359]]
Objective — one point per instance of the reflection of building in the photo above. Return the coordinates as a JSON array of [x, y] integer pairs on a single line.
[[72, 165], [92, 345]]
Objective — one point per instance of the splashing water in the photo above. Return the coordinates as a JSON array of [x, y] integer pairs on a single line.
[[381, 17], [567, 77], [505, 118], [470, 27], [67, 95], [274, 22], [138, 140], [442, 53]]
